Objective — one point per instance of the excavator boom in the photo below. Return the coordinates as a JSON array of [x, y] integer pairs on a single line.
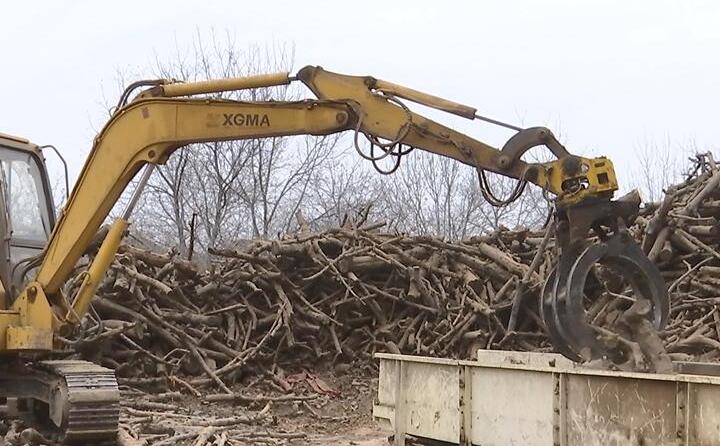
[[150, 128], [149, 131]]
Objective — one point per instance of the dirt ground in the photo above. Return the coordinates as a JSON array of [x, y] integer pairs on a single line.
[[358, 436], [340, 412], [343, 418], [336, 410], [347, 419]]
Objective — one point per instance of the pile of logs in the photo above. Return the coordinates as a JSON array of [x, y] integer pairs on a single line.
[[334, 296], [340, 295], [682, 236]]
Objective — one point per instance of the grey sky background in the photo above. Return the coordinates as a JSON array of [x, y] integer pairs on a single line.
[[608, 76]]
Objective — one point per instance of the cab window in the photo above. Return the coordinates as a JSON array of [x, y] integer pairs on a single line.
[[24, 194]]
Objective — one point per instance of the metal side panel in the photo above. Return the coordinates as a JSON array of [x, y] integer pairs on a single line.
[[511, 407], [420, 398], [387, 382], [384, 407], [604, 411], [507, 398], [703, 415], [432, 414]]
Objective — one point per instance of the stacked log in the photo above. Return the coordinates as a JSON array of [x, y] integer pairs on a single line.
[[336, 296], [682, 236], [341, 295]]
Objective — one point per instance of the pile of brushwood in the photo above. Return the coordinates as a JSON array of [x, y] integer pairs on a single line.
[[338, 296]]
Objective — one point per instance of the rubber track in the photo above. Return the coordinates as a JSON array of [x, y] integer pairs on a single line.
[[93, 407]]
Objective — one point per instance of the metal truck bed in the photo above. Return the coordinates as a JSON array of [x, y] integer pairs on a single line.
[[516, 398]]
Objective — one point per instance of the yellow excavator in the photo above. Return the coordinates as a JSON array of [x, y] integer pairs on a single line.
[[79, 401]]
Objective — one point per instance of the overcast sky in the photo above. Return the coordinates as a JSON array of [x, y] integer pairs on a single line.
[[608, 76]]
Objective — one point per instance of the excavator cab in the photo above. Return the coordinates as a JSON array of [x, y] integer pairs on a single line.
[[26, 211]]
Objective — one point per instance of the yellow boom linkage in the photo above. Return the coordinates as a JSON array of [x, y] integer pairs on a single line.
[[164, 118]]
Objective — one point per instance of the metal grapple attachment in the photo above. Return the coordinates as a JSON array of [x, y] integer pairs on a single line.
[[565, 292]]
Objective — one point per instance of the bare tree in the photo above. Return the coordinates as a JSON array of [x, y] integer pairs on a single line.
[[235, 189], [238, 190], [280, 181], [346, 190], [658, 166], [435, 195]]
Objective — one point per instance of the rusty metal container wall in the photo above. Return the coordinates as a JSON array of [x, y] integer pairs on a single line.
[[511, 398]]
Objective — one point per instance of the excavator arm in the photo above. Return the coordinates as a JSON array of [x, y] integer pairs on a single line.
[[165, 117], [149, 131]]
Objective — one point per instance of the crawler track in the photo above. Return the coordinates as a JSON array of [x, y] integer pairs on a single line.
[[83, 399]]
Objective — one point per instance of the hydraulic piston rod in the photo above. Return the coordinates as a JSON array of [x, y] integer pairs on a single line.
[[106, 253]]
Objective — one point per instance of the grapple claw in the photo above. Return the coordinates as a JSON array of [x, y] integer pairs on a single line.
[[562, 298], [548, 313]]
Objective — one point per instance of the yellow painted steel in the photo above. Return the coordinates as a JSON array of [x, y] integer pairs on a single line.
[[151, 128], [598, 175], [33, 315], [229, 84], [29, 338], [383, 119], [96, 271], [8, 318], [148, 131], [425, 99]]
